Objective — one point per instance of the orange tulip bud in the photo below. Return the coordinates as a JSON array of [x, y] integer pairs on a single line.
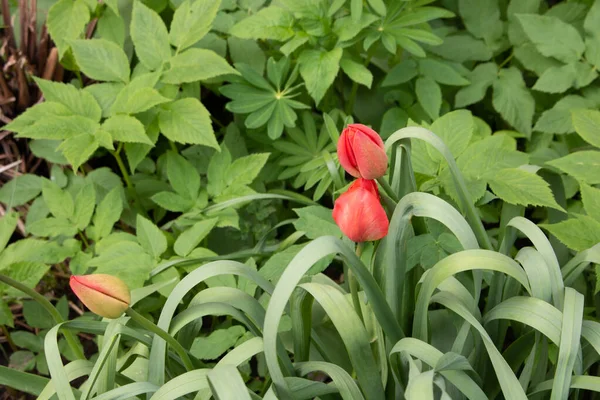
[[359, 213], [105, 295], [361, 152]]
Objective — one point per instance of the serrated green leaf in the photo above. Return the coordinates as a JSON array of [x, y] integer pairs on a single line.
[[455, 129], [188, 240], [517, 186], [245, 169], [28, 340], [22, 360], [123, 128], [66, 21], [101, 60], [149, 36], [111, 27], [482, 77], [592, 20], [357, 72], [217, 169], [401, 73], [482, 18], [79, 102], [52, 227], [108, 213], [216, 343], [196, 65], [133, 100], [579, 233], [558, 118], [173, 202], [513, 101], [319, 69], [591, 201], [462, 47], [556, 79], [587, 125], [78, 149], [8, 224], [59, 202], [553, 37], [20, 190], [105, 95], [441, 72], [183, 177], [269, 23], [346, 28], [191, 21], [248, 52], [187, 121], [316, 221], [151, 238], [125, 260], [429, 95], [85, 202], [581, 165], [28, 273], [58, 127]]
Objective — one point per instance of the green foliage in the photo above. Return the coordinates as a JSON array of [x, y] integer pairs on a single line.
[[193, 132]]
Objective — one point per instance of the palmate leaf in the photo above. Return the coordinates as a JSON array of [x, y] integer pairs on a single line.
[[310, 157], [269, 102]]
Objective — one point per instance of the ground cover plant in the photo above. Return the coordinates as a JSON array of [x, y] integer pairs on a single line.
[[298, 199]]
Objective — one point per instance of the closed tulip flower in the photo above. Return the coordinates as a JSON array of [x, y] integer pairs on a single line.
[[361, 152], [359, 213], [105, 295]]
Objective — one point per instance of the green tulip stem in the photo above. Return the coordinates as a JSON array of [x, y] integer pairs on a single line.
[[45, 303], [387, 189], [150, 326], [353, 283]]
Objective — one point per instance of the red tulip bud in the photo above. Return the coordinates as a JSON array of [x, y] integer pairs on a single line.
[[105, 295], [361, 152], [359, 213]]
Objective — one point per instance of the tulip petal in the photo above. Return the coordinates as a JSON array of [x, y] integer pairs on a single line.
[[104, 295], [374, 136], [345, 155], [359, 214], [371, 159]]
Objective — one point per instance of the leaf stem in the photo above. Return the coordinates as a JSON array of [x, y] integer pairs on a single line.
[[503, 63], [117, 155], [138, 203], [173, 146], [387, 188], [6, 333], [150, 326], [353, 283], [45, 303]]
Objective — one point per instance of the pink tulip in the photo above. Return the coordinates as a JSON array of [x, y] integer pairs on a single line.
[[359, 213], [105, 295], [361, 152]]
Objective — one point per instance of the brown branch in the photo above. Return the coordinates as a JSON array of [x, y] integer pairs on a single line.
[[23, 100], [50, 64], [23, 13], [7, 24]]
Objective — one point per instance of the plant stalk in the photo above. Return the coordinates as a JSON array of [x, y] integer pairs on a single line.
[[138, 203], [45, 303], [150, 326], [388, 189], [353, 283]]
